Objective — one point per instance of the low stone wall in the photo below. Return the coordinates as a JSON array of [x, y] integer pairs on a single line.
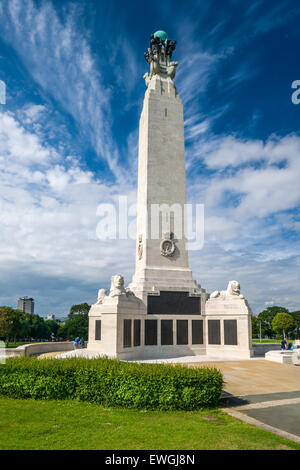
[[10, 352], [40, 348], [284, 357], [36, 348], [260, 349]]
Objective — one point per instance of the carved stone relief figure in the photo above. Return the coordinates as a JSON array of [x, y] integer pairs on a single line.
[[159, 56], [140, 247]]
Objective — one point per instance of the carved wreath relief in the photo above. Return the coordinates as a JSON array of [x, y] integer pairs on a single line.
[[167, 245]]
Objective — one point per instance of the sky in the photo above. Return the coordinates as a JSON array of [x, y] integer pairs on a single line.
[[73, 72]]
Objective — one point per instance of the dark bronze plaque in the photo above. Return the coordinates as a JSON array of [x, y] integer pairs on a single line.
[[98, 330], [230, 332], [173, 303], [197, 331], [137, 332], [127, 334], [150, 332], [214, 334], [166, 332], [182, 331]]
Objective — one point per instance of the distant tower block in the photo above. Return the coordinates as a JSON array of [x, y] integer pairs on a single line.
[[26, 304]]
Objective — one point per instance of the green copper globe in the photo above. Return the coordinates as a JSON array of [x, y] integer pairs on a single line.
[[161, 34]]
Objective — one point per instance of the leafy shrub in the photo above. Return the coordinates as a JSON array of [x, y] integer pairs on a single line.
[[112, 383]]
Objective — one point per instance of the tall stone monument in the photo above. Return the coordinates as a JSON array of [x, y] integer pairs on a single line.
[[162, 256], [164, 312]]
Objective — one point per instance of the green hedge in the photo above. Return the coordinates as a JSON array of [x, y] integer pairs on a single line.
[[112, 383]]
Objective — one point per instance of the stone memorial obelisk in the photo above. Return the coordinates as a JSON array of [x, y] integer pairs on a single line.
[[162, 255], [164, 312]]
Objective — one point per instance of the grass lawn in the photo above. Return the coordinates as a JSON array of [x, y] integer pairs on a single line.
[[53, 425], [257, 340], [20, 343]]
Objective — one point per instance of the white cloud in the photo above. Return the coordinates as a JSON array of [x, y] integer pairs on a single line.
[[32, 113], [261, 281], [47, 215], [20, 146], [264, 176], [58, 56], [252, 198], [232, 151]]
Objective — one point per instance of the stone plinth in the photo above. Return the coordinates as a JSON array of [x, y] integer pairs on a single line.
[[228, 321], [107, 337]]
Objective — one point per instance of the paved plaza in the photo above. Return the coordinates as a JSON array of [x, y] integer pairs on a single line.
[[256, 376], [262, 393]]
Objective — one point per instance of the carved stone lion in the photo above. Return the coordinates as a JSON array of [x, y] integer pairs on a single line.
[[101, 295], [233, 290], [117, 286]]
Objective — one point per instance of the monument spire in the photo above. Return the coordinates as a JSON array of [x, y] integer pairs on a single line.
[[162, 255]]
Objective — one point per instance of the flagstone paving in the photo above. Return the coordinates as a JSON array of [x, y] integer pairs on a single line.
[[262, 393], [256, 377]]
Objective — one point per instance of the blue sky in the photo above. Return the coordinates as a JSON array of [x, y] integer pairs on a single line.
[[69, 135]]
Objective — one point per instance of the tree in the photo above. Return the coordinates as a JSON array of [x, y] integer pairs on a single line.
[[255, 326], [17, 324], [283, 322], [34, 326], [296, 316], [39, 329], [79, 309], [62, 332], [267, 316], [9, 323], [25, 325], [78, 321], [53, 326]]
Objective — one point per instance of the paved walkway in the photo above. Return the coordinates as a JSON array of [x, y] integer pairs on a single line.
[[263, 393], [256, 376]]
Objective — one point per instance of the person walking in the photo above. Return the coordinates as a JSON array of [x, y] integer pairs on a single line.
[[82, 343], [283, 344], [75, 342]]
